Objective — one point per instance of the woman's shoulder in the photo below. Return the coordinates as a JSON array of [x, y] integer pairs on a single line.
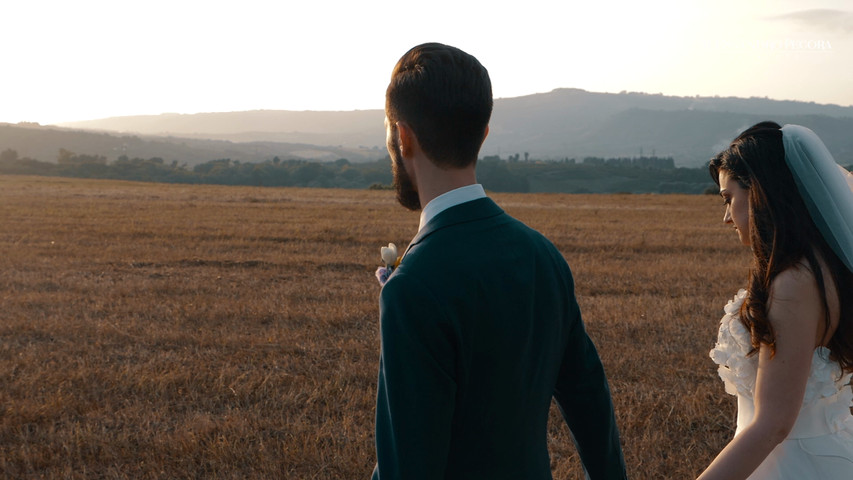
[[799, 283], [796, 306], [796, 282]]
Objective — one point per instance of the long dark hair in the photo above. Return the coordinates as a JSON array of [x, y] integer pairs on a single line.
[[782, 234]]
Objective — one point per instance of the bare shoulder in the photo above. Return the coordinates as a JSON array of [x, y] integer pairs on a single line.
[[794, 284], [796, 306]]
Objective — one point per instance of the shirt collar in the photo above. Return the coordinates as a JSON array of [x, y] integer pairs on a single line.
[[450, 199]]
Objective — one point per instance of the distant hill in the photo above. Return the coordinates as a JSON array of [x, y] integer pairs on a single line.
[[575, 123], [564, 123], [43, 143], [353, 129]]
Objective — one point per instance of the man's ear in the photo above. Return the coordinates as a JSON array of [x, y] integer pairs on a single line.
[[408, 139]]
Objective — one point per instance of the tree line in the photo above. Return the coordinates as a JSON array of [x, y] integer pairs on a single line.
[[591, 175], [272, 173]]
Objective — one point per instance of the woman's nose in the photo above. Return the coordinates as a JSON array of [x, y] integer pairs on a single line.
[[727, 218]]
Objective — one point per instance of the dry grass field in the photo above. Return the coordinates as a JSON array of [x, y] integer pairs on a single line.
[[176, 331]]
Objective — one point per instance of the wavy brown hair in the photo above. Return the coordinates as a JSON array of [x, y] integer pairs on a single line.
[[782, 235]]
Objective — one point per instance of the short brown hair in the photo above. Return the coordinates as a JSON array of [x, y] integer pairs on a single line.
[[445, 96]]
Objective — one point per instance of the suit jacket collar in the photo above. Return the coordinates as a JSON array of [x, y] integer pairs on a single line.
[[462, 213], [450, 199]]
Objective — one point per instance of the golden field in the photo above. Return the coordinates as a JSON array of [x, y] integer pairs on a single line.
[[178, 331]]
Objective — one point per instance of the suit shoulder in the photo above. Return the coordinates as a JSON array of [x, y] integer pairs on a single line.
[[534, 235]]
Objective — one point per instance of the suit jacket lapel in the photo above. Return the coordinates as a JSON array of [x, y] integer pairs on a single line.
[[462, 213]]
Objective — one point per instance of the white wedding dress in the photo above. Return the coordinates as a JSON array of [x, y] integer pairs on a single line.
[[820, 446]]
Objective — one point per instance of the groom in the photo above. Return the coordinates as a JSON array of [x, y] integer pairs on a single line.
[[480, 326]]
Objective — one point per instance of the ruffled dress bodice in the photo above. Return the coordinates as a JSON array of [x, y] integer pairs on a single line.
[[824, 426]]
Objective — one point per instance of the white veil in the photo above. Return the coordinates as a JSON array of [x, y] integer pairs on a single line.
[[826, 188]]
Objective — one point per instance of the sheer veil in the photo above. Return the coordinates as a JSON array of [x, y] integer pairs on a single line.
[[826, 188]]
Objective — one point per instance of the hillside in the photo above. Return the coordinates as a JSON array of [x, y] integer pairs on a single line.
[[564, 123], [43, 143], [575, 123]]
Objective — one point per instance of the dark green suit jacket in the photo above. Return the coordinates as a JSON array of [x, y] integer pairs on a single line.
[[480, 329]]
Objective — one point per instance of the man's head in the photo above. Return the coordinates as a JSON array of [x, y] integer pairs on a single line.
[[444, 95]]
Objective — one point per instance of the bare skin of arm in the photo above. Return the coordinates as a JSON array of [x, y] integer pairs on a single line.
[[796, 313]]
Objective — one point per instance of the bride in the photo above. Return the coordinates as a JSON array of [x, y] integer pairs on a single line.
[[785, 344]]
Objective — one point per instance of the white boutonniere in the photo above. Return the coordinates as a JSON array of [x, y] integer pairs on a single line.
[[391, 261]]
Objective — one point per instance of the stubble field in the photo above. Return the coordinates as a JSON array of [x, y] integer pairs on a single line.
[[175, 331]]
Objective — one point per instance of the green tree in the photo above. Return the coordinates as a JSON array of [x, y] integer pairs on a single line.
[[8, 156], [65, 157], [495, 175], [307, 172]]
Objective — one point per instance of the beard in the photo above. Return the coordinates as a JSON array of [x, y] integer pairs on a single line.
[[407, 194]]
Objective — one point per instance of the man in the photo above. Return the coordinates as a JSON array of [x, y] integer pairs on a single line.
[[479, 323]]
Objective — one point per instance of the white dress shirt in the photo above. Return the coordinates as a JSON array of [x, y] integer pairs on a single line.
[[450, 199]]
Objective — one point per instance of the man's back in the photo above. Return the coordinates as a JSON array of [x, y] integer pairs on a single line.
[[480, 326]]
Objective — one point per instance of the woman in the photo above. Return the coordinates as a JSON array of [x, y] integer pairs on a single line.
[[785, 345]]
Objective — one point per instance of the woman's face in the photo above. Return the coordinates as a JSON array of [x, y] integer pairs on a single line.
[[736, 200]]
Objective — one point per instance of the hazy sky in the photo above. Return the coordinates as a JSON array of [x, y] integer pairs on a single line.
[[85, 59]]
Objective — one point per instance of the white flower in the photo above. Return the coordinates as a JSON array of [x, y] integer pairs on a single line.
[[389, 255]]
